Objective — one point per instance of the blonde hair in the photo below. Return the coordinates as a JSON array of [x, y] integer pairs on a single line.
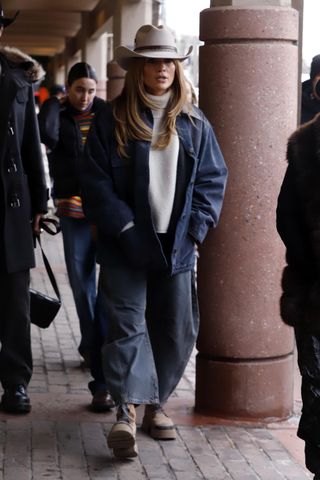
[[191, 93], [133, 100]]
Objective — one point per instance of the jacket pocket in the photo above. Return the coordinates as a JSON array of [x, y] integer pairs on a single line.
[[134, 247]]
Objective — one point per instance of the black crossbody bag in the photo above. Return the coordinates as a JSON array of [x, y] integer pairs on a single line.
[[43, 308]]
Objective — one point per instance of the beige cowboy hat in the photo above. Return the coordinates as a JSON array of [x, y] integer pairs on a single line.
[[150, 42]]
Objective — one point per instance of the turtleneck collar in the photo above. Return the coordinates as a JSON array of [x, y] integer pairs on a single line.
[[160, 100]]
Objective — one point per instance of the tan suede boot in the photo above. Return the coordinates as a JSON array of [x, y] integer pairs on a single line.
[[157, 424], [122, 436]]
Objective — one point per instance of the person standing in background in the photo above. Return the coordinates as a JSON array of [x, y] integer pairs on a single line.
[[23, 201], [310, 95], [57, 97], [64, 127], [58, 91]]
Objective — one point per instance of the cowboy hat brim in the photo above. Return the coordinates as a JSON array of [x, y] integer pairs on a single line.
[[124, 55], [5, 21]]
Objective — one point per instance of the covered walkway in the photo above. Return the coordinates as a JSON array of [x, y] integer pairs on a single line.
[[62, 439]]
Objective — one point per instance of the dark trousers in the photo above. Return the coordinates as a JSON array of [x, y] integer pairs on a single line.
[[15, 353], [308, 347], [80, 256]]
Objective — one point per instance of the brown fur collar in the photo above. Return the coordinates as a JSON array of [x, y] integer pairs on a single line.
[[33, 69]]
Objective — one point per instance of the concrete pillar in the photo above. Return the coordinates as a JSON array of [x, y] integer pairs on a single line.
[[58, 69], [94, 52], [248, 90], [299, 5], [128, 17], [70, 57]]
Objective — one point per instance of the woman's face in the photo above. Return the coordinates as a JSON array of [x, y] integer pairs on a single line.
[[158, 75], [81, 93]]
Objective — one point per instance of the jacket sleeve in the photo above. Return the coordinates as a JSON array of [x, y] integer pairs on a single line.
[[49, 122], [209, 186], [32, 158], [102, 205]]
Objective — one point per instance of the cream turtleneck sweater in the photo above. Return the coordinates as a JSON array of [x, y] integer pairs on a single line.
[[163, 170]]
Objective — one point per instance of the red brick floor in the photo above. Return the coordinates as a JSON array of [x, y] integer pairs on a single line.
[[62, 439]]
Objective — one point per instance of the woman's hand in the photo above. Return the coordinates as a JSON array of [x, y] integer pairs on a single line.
[[36, 224]]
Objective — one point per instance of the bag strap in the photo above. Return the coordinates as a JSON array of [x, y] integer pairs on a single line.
[[49, 271], [45, 224]]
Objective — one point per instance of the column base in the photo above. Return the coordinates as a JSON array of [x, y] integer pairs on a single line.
[[248, 390]]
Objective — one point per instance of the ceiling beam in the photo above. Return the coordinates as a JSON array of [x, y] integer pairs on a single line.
[[50, 5], [51, 23]]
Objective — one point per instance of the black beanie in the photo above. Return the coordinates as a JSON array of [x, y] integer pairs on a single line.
[[315, 67]]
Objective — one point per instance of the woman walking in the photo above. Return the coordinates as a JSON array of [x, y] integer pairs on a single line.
[[64, 128], [153, 181]]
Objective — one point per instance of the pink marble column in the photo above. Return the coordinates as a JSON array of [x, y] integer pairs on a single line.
[[248, 90]]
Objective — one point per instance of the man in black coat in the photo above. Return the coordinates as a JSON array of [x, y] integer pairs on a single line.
[[23, 200], [310, 94], [298, 223]]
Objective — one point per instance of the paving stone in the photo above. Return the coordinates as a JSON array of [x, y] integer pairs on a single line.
[[204, 456], [70, 445], [69, 442], [44, 443]]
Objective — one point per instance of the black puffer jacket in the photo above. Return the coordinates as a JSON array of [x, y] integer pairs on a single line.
[[60, 133]]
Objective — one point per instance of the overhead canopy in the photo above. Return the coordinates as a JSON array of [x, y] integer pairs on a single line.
[[43, 26]]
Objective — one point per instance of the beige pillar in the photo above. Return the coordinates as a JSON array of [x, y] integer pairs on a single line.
[[58, 69], [128, 17], [94, 52], [248, 90], [70, 57], [299, 5]]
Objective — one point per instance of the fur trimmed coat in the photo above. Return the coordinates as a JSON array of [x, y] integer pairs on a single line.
[[298, 224], [23, 191]]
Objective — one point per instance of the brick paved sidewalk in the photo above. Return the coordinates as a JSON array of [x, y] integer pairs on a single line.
[[62, 439]]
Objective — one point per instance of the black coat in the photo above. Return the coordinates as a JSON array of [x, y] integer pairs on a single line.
[[61, 134], [298, 223], [23, 189]]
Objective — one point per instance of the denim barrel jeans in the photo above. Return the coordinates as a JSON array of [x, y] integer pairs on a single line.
[[152, 328], [80, 258]]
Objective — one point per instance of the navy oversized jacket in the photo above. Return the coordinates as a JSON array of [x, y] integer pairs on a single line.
[[115, 191]]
